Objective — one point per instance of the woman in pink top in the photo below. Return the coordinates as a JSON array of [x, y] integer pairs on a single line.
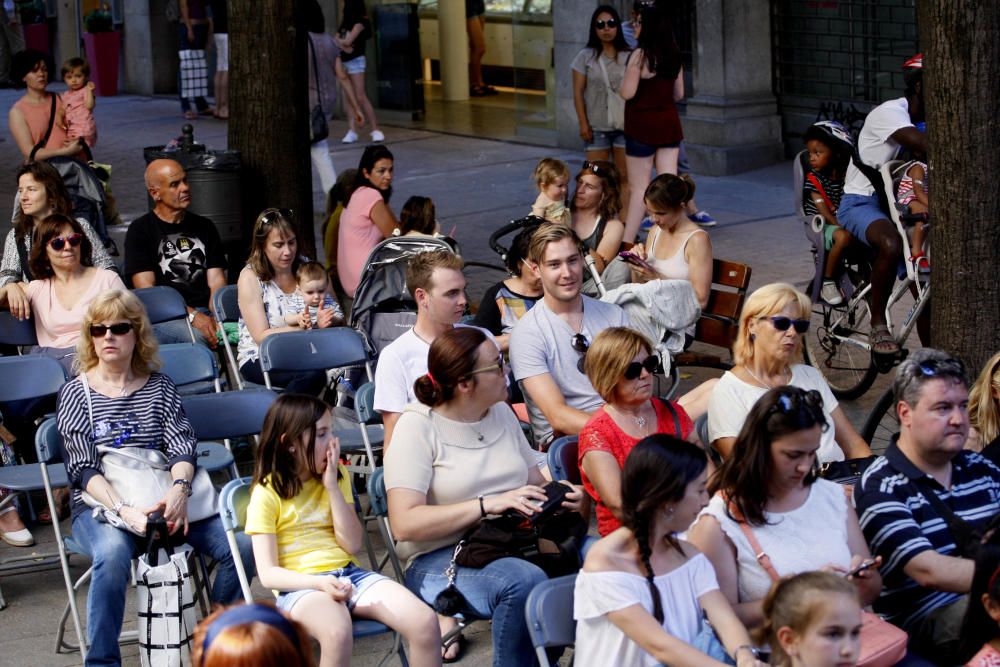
[[28, 119], [367, 219], [65, 284]]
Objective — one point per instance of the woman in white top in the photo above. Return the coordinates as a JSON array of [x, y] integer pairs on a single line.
[[463, 457], [767, 489], [266, 290], [640, 596], [767, 353]]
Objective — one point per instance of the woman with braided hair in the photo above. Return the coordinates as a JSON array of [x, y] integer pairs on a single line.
[[640, 596]]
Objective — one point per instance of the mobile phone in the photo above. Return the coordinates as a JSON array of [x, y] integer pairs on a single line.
[[635, 260], [865, 565], [555, 493]]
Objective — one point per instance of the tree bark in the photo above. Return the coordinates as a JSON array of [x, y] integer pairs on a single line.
[[962, 93], [269, 119]]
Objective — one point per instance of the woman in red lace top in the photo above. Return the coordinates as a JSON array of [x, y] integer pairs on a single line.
[[620, 365]]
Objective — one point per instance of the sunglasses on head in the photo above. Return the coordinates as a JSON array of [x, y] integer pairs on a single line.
[[272, 215], [581, 345], [650, 363], [610, 23], [781, 323], [790, 402], [119, 329], [932, 367], [594, 167], [59, 242]]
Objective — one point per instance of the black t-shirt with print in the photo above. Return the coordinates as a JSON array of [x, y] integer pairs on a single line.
[[178, 254]]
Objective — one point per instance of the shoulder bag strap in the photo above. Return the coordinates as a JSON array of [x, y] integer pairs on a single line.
[[673, 413], [762, 558], [956, 524], [48, 131], [86, 394], [319, 89], [22, 255]]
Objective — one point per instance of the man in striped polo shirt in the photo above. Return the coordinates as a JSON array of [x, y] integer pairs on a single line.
[[923, 504]]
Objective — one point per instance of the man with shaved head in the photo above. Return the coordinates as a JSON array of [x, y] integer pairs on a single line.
[[170, 246]]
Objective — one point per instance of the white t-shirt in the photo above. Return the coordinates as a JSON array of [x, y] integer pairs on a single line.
[[807, 538], [600, 643], [732, 399], [874, 144], [542, 342]]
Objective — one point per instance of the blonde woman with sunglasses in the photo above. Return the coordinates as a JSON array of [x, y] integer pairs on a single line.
[[984, 411], [768, 353]]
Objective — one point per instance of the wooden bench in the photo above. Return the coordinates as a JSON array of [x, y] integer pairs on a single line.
[[720, 320]]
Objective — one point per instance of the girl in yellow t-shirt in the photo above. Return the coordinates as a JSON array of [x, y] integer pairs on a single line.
[[304, 531]]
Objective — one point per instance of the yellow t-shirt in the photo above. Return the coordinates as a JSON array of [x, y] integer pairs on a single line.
[[303, 525]]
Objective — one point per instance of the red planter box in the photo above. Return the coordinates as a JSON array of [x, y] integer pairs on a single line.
[[103, 49]]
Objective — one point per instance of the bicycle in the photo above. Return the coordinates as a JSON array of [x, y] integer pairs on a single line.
[[837, 343]]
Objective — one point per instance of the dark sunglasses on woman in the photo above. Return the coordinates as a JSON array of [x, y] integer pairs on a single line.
[[781, 323], [59, 242], [610, 23], [118, 329], [650, 363]]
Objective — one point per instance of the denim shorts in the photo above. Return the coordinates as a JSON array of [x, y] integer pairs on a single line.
[[355, 65], [360, 578], [856, 213], [636, 148], [605, 140]]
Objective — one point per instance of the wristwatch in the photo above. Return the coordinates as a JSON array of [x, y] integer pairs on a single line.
[[191, 315], [186, 484]]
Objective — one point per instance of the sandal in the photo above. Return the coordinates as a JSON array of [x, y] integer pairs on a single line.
[[452, 638], [882, 341], [19, 537], [190, 115], [61, 496], [479, 91]]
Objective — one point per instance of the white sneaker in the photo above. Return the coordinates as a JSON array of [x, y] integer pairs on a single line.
[[830, 293], [350, 137], [377, 136]]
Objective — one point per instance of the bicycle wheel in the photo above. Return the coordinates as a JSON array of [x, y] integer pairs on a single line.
[[836, 346], [881, 423]]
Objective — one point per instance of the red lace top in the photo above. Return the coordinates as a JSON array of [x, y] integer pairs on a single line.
[[602, 434]]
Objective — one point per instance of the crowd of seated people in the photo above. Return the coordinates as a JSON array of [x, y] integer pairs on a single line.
[[696, 564]]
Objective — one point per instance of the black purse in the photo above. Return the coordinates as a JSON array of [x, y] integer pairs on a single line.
[[318, 127]]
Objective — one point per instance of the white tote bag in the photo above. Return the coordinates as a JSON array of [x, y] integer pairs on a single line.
[[166, 607], [616, 103]]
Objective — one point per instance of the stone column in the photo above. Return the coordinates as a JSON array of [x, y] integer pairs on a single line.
[[68, 38], [149, 49], [732, 122], [454, 50], [571, 22]]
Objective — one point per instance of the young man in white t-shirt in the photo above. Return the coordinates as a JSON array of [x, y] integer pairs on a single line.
[[888, 128], [437, 284]]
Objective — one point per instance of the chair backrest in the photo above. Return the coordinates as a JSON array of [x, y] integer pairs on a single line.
[[799, 169], [364, 404], [230, 414], [48, 442], [563, 461], [162, 303], [187, 363], [315, 349], [226, 302], [233, 500], [17, 332], [548, 613], [36, 375], [720, 319], [377, 496]]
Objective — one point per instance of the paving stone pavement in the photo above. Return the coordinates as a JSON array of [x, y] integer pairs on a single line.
[[477, 185]]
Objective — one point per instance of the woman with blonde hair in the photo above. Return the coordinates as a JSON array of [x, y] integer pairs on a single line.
[[121, 400], [768, 353], [984, 411]]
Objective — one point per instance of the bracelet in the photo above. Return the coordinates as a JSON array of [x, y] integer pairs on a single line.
[[754, 651], [186, 484], [116, 508], [482, 508]]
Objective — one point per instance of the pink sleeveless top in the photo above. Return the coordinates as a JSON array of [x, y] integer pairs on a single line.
[[37, 117]]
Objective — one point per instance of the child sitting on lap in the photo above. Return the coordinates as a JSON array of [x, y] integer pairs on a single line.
[[312, 306], [552, 178], [304, 529], [79, 101]]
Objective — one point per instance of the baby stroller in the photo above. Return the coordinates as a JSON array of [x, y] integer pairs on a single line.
[[87, 194]]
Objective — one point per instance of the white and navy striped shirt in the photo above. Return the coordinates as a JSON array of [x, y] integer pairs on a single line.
[[899, 523], [152, 417]]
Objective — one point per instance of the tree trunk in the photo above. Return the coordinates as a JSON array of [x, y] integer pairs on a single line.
[[962, 94], [269, 123]]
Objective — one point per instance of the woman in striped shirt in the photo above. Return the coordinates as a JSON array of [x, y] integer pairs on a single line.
[[130, 405]]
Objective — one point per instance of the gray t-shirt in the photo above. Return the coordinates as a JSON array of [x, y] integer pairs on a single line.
[[543, 343], [595, 95]]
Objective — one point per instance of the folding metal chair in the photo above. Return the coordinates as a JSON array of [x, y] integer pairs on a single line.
[[379, 500], [233, 501], [548, 612], [228, 415], [226, 303], [563, 461], [164, 304], [192, 367], [17, 332]]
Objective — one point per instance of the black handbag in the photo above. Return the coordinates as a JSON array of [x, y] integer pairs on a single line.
[[318, 127]]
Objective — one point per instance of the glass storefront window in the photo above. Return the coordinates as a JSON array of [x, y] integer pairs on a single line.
[[527, 10]]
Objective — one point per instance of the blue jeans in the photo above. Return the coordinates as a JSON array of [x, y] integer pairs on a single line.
[[176, 331], [112, 551], [497, 591]]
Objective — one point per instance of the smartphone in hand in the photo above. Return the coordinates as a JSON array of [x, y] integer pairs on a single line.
[[635, 260]]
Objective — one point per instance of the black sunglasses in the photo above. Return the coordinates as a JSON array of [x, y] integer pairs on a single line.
[[272, 215], [594, 167], [581, 345], [933, 367], [650, 363], [781, 323], [811, 400], [610, 23], [118, 329], [59, 242]]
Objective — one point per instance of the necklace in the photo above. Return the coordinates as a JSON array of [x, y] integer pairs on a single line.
[[121, 389], [638, 420], [754, 376]]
